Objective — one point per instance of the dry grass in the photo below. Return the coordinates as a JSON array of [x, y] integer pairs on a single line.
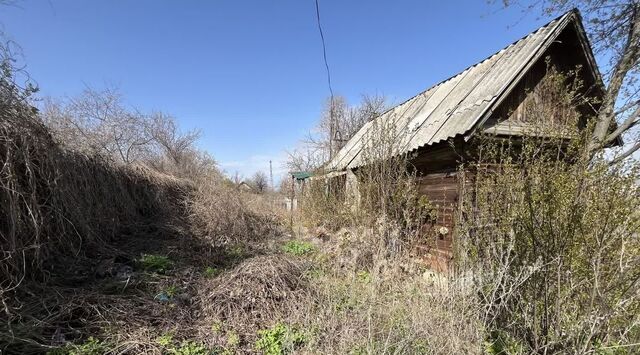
[[70, 216], [227, 216], [59, 204], [71, 223], [63, 216], [256, 293], [381, 305]]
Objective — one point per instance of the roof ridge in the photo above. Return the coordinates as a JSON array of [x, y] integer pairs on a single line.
[[570, 12], [524, 49]]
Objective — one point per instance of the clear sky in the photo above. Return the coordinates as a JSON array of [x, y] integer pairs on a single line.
[[250, 73]]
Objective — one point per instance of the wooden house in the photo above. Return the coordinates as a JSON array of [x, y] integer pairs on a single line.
[[437, 126]]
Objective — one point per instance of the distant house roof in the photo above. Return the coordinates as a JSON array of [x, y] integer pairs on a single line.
[[245, 186], [301, 175], [455, 106]]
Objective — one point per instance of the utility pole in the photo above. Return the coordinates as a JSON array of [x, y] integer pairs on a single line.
[[331, 128], [271, 175]]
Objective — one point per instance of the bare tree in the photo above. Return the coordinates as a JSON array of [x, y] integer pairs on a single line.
[[236, 178], [613, 26], [175, 144], [370, 107], [260, 181], [338, 123], [97, 121]]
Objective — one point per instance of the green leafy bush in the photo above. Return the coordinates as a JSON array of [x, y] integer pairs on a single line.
[[279, 339], [211, 272], [298, 248], [190, 348], [155, 263], [92, 346]]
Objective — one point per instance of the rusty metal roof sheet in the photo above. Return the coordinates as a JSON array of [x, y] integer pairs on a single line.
[[454, 106]]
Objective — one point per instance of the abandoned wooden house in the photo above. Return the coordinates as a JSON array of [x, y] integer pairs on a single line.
[[437, 126]]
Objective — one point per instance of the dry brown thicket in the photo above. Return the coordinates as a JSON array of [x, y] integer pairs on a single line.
[[71, 224], [226, 216], [256, 292], [74, 226], [61, 213], [60, 203]]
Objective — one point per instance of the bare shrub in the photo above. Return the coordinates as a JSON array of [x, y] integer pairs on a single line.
[[380, 194], [174, 151], [551, 236], [225, 216], [98, 123]]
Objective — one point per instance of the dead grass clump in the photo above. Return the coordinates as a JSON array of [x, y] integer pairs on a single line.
[[258, 292], [226, 216]]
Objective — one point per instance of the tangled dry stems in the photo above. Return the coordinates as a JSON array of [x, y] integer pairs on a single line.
[[227, 216], [64, 214], [257, 292]]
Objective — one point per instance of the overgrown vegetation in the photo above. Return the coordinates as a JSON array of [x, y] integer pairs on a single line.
[[279, 339], [105, 252], [551, 235], [298, 248]]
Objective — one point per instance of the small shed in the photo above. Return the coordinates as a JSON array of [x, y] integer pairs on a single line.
[[437, 127], [298, 183], [245, 187]]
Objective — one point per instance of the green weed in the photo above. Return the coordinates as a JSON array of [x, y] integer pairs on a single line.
[[165, 340], [189, 348], [155, 263], [279, 339], [364, 276], [92, 346], [211, 272], [297, 247], [501, 343], [171, 291], [216, 327]]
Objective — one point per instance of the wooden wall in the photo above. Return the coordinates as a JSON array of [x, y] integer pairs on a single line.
[[441, 189], [437, 171]]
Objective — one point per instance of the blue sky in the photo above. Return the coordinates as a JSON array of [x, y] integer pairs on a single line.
[[250, 73]]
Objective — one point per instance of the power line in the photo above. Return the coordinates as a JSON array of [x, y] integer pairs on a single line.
[[324, 49], [326, 65]]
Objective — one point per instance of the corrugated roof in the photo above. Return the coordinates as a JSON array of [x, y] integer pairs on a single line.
[[454, 106], [301, 175]]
